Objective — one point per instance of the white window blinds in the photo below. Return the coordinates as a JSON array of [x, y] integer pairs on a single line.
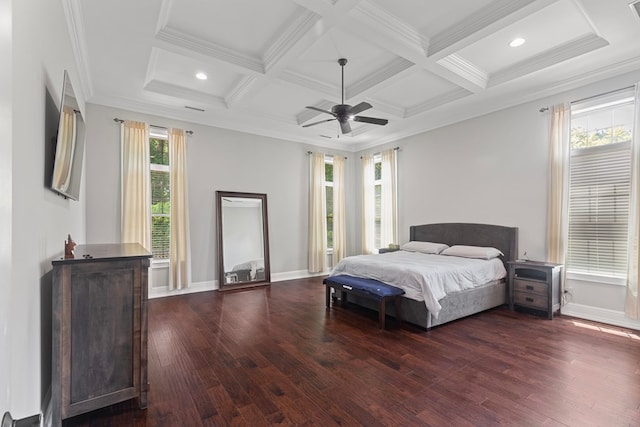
[[599, 185], [599, 209]]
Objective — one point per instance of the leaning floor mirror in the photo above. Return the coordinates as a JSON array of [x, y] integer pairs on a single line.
[[243, 240]]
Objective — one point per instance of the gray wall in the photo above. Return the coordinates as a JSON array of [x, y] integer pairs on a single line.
[[218, 159], [39, 219]]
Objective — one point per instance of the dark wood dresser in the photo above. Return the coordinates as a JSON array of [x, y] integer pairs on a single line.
[[99, 328]]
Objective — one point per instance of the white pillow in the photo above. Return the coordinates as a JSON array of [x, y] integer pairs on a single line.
[[424, 247], [480, 252]]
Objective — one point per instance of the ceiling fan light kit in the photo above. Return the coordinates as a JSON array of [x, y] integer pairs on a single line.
[[343, 113]]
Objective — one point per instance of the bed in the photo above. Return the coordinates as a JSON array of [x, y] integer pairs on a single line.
[[462, 303]]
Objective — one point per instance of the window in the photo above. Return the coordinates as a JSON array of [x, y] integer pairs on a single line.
[[378, 198], [599, 185], [328, 182], [160, 201]]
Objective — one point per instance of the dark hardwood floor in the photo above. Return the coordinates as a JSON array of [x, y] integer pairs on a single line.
[[277, 356]]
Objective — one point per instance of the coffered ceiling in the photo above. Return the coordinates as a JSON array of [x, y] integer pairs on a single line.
[[420, 63]]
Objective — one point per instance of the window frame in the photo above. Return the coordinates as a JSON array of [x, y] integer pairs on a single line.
[[328, 160], [163, 134], [594, 106]]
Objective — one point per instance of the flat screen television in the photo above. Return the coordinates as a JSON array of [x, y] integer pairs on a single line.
[[69, 149]]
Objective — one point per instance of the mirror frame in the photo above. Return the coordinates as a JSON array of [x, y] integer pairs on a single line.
[[222, 285]]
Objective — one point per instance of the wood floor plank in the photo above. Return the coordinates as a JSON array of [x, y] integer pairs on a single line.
[[277, 356]]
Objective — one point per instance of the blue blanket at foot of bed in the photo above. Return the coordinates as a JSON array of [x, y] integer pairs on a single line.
[[369, 286]]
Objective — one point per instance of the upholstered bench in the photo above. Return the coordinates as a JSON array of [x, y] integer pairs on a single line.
[[368, 288]]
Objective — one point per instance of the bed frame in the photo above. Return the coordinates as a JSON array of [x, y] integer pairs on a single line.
[[470, 301]]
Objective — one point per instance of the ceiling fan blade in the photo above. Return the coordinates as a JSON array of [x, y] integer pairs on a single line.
[[345, 126], [372, 120], [317, 123], [358, 108], [320, 109]]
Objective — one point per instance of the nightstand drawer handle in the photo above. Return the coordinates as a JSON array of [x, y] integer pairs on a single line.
[[529, 299], [529, 287]]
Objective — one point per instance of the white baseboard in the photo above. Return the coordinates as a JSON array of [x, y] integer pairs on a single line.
[[602, 315], [292, 275], [163, 291]]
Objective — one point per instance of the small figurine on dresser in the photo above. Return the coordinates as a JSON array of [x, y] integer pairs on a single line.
[[69, 247]]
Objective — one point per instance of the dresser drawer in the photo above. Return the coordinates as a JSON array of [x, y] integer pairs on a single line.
[[531, 300], [531, 286]]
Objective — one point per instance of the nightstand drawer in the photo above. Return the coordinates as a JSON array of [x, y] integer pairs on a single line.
[[531, 300], [531, 286]]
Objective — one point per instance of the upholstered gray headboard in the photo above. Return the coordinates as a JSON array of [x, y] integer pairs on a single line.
[[458, 233]]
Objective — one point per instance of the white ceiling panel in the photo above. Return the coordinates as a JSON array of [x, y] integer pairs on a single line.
[[181, 71], [563, 22], [419, 63], [217, 21]]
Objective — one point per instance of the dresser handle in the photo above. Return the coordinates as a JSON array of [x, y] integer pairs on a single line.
[[529, 287], [529, 299]]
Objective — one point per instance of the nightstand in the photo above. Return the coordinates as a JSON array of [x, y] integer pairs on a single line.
[[535, 286]]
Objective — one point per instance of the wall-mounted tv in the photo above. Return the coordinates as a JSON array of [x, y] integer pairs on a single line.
[[69, 150]]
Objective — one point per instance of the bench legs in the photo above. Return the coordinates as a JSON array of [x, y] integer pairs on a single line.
[[382, 308]]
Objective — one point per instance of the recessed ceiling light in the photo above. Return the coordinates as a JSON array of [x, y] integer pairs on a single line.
[[518, 41], [201, 76]]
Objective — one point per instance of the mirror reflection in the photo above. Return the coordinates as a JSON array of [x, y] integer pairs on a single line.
[[243, 249]]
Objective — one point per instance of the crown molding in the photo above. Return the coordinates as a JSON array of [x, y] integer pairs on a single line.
[[77, 34], [468, 30], [465, 69], [382, 20], [549, 58], [301, 25], [297, 79], [379, 76], [240, 90], [185, 94], [437, 101], [190, 43]]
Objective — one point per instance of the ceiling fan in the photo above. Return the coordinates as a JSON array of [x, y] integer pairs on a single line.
[[343, 112]]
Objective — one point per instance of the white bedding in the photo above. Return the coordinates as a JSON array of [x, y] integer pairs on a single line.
[[424, 277]]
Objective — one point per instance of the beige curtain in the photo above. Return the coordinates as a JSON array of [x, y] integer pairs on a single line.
[[64, 149], [632, 302], [368, 205], [317, 214], [339, 210], [559, 157], [136, 186], [179, 256], [388, 201]]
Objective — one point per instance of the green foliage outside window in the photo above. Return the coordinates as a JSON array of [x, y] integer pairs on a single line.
[[160, 198], [159, 151], [581, 138], [328, 177]]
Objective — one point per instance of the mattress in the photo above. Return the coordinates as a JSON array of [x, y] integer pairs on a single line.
[[423, 277]]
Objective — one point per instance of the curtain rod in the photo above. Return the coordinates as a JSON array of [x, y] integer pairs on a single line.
[[394, 149], [190, 132], [311, 152], [543, 109]]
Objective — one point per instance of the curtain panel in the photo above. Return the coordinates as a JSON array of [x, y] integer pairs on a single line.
[[632, 302], [136, 185], [388, 201], [339, 210], [368, 205], [558, 207], [179, 257], [317, 213]]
